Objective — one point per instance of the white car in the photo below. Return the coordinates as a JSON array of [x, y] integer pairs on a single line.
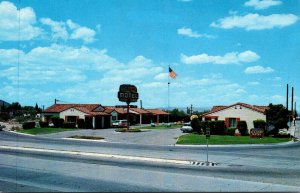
[[120, 123], [186, 127]]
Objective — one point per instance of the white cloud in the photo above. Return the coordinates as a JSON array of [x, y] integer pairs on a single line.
[[140, 61], [253, 83], [193, 34], [15, 25], [228, 58], [55, 63], [256, 21], [258, 70], [9, 57], [161, 76], [79, 32], [58, 28], [262, 4]]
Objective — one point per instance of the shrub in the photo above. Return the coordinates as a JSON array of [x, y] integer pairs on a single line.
[[28, 125], [55, 121], [4, 116], [69, 125], [242, 127], [217, 127], [80, 123], [259, 123], [195, 124], [230, 131], [125, 130], [61, 122], [44, 124], [281, 123]]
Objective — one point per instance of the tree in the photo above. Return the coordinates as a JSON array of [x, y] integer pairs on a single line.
[[15, 108], [195, 124], [278, 116]]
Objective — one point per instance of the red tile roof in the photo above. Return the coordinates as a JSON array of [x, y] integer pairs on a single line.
[[89, 109], [157, 111], [140, 111], [260, 109], [86, 108]]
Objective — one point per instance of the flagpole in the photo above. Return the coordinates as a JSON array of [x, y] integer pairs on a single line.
[[168, 95]]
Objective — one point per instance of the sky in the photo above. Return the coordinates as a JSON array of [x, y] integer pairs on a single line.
[[80, 51]]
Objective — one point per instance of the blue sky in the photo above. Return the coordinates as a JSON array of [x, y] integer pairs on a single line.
[[80, 51]]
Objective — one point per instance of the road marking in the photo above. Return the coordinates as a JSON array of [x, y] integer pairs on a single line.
[[157, 160]]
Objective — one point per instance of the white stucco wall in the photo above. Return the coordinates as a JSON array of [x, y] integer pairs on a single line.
[[244, 114], [72, 112], [114, 113]]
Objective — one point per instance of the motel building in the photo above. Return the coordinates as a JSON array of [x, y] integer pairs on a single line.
[[100, 117], [234, 113]]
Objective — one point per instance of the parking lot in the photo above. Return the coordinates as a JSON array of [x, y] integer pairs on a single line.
[[147, 136]]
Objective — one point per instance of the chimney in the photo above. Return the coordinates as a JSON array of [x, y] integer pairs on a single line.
[[141, 103]]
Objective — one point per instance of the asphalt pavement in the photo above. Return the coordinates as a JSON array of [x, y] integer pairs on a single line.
[[42, 163], [147, 136]]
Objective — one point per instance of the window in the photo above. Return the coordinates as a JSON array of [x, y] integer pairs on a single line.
[[232, 122], [114, 118]]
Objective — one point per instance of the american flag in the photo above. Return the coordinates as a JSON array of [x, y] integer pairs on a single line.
[[172, 74]]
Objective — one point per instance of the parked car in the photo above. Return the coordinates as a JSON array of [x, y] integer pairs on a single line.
[[186, 127], [120, 123]]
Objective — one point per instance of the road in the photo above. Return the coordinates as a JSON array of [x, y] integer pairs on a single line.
[[60, 166]]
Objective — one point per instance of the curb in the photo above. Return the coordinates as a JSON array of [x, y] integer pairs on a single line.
[[109, 156], [19, 133], [245, 145]]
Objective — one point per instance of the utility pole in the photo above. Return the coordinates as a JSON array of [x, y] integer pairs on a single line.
[[287, 97], [292, 104]]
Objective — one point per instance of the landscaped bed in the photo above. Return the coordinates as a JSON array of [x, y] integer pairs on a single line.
[[195, 139], [173, 126], [133, 130], [86, 137], [45, 130]]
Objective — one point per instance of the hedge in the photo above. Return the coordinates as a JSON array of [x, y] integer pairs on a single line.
[[216, 127], [28, 125], [195, 124], [44, 124], [230, 131]]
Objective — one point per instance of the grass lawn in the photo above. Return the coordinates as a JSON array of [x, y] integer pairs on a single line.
[[226, 139], [46, 130], [173, 126]]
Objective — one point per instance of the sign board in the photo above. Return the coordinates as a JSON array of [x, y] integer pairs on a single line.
[[207, 133], [128, 93], [256, 133]]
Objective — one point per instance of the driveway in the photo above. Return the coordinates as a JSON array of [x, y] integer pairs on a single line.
[[147, 136]]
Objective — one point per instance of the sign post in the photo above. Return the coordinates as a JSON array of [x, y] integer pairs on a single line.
[[207, 137], [128, 93]]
